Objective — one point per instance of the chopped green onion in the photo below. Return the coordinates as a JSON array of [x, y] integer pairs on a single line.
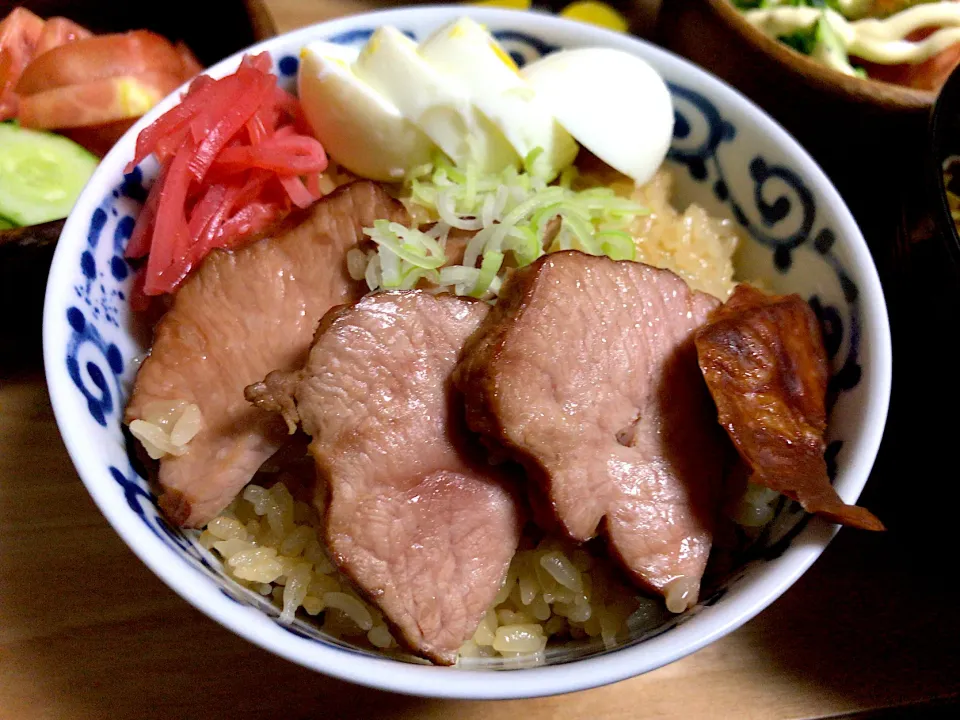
[[470, 186], [417, 248], [525, 245], [568, 177], [488, 271], [415, 275], [617, 245], [513, 214], [389, 268], [528, 206], [373, 275], [530, 161], [462, 278], [581, 229]]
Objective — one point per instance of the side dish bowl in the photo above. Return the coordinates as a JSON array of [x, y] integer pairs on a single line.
[[25, 253], [845, 122], [698, 29], [730, 157]]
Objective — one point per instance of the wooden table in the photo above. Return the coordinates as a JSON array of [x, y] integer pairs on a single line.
[[87, 631]]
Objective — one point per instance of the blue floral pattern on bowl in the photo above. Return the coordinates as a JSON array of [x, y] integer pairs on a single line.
[[769, 199]]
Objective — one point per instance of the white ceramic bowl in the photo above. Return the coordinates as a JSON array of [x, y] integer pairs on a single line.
[[730, 157]]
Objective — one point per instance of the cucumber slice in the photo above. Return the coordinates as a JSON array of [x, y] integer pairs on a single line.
[[41, 174], [6, 224]]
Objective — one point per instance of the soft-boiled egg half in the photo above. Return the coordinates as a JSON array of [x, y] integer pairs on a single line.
[[360, 128], [470, 57], [614, 103], [386, 109]]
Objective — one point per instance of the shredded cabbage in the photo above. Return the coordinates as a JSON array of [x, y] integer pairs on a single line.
[[516, 217]]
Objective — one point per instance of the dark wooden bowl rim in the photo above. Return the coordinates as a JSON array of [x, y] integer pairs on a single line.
[[944, 143], [875, 92]]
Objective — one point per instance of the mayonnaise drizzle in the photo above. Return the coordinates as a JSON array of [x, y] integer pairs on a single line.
[[879, 41]]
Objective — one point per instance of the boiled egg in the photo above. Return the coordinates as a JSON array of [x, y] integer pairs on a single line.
[[470, 57], [442, 108], [360, 129], [612, 102]]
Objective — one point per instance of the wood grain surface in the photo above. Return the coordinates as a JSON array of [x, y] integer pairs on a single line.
[[87, 631]]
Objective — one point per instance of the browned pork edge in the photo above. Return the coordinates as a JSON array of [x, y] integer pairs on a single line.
[[481, 353], [478, 356]]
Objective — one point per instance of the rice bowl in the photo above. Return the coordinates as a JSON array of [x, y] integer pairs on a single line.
[[182, 560]]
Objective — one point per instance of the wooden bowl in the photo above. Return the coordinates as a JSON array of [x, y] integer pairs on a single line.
[[923, 296], [869, 136], [25, 253], [716, 35]]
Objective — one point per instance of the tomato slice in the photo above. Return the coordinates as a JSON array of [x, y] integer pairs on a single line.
[[97, 102], [20, 32], [8, 100], [190, 65], [59, 31], [103, 81], [98, 139], [930, 74], [99, 58]]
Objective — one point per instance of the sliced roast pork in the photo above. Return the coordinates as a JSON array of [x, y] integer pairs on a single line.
[[586, 371], [239, 316], [765, 364], [416, 517]]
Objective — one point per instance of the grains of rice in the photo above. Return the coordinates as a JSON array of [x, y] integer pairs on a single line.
[[692, 243], [519, 638], [352, 607], [379, 636], [553, 592], [269, 542], [680, 594], [557, 591], [167, 426], [755, 507]]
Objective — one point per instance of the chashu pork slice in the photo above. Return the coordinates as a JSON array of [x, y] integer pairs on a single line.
[[415, 517], [586, 372], [239, 316]]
